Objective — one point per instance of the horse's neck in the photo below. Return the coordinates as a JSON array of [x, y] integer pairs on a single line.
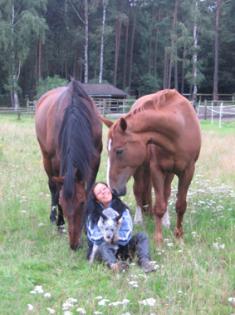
[[157, 128], [152, 121]]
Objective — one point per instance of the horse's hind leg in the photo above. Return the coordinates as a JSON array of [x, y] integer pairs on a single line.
[[181, 202], [167, 193], [54, 200]]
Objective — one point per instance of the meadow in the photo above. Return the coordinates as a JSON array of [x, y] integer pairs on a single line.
[[39, 274]]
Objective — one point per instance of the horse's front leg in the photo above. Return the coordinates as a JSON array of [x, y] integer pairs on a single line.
[[55, 217], [142, 191], [181, 202], [158, 180], [54, 200]]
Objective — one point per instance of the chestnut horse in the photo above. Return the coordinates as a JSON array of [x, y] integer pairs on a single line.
[[69, 134], [161, 129]]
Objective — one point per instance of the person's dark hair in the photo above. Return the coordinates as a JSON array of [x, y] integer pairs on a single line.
[[94, 208]]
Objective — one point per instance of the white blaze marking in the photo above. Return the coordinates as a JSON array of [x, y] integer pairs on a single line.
[[138, 218], [166, 219], [108, 162]]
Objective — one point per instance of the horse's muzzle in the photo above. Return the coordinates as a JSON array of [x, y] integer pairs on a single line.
[[119, 192]]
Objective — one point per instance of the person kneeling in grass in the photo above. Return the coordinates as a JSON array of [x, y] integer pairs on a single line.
[[103, 202]]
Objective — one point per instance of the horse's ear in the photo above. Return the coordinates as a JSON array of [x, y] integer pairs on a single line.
[[103, 216], [123, 124], [118, 219], [106, 121], [58, 179]]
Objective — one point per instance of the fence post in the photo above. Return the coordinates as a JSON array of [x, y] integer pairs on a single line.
[[220, 114], [205, 109], [212, 112], [18, 114]]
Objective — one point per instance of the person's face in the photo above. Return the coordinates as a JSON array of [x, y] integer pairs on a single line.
[[102, 194]]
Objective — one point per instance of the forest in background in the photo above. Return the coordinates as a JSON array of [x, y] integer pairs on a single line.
[[139, 46]]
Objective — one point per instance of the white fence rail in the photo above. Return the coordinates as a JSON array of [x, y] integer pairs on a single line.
[[216, 110], [213, 110]]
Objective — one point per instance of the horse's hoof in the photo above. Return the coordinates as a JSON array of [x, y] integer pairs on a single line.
[[75, 247], [53, 215], [178, 233], [61, 229]]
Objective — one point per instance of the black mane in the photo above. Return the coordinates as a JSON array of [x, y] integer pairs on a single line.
[[77, 139]]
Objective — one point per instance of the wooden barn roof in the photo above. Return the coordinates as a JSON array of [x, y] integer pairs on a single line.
[[103, 90]]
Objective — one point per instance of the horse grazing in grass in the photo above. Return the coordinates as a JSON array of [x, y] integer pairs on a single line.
[[162, 130], [69, 133]]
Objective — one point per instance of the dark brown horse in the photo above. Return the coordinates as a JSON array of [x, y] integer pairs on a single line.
[[69, 134], [161, 129]]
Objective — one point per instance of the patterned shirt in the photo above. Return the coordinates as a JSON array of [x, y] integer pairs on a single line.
[[95, 236]]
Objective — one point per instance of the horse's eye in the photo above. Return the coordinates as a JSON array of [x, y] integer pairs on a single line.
[[119, 152]]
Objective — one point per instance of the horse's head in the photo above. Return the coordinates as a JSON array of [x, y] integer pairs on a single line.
[[126, 152], [73, 210]]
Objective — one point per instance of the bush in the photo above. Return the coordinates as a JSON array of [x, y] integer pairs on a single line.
[[148, 84], [49, 83]]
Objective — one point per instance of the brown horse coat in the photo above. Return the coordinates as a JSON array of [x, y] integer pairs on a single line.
[[161, 129], [69, 134]]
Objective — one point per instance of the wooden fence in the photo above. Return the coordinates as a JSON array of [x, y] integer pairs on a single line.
[[213, 110]]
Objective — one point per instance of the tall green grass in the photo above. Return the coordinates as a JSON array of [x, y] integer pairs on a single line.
[[196, 277]]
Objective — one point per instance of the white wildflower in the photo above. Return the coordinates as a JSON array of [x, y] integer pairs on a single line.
[[68, 313], [218, 246], [231, 300], [81, 310], [115, 303], [149, 302], [38, 289], [99, 297], [72, 300], [103, 302], [133, 284], [50, 310], [30, 307], [69, 303], [97, 313], [33, 292], [47, 295]]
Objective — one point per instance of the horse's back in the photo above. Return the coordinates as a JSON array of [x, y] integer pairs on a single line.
[[176, 112], [46, 118]]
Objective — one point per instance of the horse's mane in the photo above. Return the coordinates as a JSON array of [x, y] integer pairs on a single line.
[[151, 101], [76, 139]]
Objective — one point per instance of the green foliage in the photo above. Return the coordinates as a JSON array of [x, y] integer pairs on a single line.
[[58, 26], [149, 84], [48, 84]]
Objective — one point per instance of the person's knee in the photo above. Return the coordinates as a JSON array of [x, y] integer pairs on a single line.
[[142, 236]]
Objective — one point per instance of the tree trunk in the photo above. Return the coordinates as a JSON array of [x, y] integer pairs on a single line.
[[102, 43], [132, 49], [195, 65], [86, 42], [183, 69], [166, 68], [155, 52], [39, 76], [216, 52], [173, 55], [118, 28], [125, 55]]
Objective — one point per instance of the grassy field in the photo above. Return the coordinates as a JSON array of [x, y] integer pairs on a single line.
[[39, 274]]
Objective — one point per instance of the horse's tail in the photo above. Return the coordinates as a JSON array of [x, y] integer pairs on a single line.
[[76, 139]]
